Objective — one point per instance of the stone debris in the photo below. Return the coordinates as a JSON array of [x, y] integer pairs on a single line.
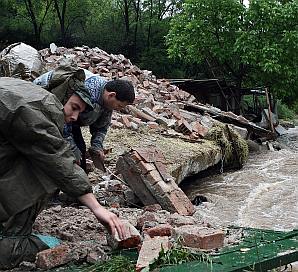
[[154, 225], [150, 250], [151, 173]]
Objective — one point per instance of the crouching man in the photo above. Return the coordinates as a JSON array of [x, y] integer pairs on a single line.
[[35, 161], [106, 97]]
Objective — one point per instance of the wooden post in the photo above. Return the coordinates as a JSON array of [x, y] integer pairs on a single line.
[[269, 110]]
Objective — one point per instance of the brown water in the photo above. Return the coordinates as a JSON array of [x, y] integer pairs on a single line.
[[263, 194]]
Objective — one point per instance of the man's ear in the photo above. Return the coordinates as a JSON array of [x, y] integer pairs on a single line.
[[111, 94]]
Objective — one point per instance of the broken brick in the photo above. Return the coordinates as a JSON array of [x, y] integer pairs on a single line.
[[129, 242], [53, 257], [152, 208], [125, 121], [199, 237], [159, 230], [146, 217], [150, 250]]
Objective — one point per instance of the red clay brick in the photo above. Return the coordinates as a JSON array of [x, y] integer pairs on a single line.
[[135, 156], [199, 237], [125, 121], [152, 125], [181, 203], [53, 257], [162, 187], [153, 177], [146, 167], [129, 242], [150, 250], [160, 230], [152, 208]]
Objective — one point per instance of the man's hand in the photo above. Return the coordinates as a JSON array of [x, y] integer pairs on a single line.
[[111, 222], [100, 153], [105, 217], [98, 157]]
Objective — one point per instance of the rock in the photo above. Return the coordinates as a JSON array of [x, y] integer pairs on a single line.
[[146, 217], [179, 220], [96, 255], [27, 266]]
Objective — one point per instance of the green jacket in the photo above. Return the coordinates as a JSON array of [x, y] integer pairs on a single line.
[[35, 160]]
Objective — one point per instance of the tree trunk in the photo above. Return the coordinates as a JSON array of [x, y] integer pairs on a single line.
[[61, 17]]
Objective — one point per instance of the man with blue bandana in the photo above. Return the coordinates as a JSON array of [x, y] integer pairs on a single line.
[[106, 96]]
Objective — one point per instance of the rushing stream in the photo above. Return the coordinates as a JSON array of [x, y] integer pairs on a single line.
[[263, 194]]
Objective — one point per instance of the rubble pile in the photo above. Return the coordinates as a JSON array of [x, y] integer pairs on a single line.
[[158, 103], [159, 142], [150, 229]]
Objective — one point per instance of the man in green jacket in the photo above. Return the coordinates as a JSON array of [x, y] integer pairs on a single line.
[[35, 161]]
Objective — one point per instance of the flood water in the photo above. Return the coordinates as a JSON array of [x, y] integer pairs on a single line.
[[263, 194]]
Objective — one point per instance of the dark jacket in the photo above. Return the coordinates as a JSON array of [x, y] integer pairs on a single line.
[[35, 159]]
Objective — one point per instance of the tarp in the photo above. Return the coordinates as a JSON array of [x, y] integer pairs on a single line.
[[20, 60]]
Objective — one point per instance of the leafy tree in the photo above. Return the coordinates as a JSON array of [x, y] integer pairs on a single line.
[[269, 45], [34, 12], [251, 45], [72, 16]]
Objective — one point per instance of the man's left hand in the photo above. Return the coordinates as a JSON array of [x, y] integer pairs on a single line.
[[98, 157]]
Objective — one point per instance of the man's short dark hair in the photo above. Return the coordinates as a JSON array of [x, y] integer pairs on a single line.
[[124, 90]]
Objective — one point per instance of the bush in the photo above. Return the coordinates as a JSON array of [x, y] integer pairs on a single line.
[[284, 112]]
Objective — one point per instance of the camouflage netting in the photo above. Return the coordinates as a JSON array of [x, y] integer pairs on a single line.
[[233, 147]]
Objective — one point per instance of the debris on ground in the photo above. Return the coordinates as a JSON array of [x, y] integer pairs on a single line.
[[164, 137]]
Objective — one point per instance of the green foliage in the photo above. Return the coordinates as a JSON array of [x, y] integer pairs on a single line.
[[270, 44], [178, 255], [284, 112], [114, 264], [254, 46]]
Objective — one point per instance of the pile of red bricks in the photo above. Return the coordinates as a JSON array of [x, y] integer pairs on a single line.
[[149, 240], [158, 103]]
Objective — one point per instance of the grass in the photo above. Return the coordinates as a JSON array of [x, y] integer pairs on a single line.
[[179, 254]]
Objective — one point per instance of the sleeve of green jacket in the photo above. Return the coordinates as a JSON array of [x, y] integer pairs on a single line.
[[37, 137], [99, 130]]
